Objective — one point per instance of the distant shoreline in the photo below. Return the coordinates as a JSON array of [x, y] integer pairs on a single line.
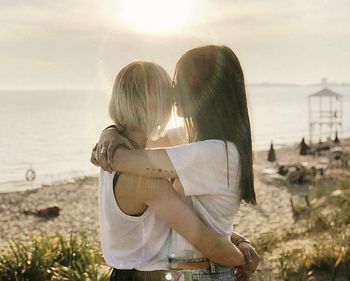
[[271, 84]]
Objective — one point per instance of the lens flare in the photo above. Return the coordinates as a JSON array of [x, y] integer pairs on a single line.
[[157, 15]]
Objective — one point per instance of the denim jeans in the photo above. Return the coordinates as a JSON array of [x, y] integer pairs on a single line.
[[220, 274], [215, 272]]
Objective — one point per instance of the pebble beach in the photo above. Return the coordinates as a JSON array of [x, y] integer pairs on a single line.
[[78, 203]]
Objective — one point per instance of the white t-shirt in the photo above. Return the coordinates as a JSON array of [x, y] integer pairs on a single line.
[[128, 241], [212, 191]]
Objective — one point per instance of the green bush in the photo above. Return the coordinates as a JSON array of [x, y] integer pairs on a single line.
[[53, 258]]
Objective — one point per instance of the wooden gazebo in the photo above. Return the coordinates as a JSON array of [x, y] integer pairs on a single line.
[[325, 115]]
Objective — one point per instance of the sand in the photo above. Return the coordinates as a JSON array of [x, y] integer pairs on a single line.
[[77, 199]]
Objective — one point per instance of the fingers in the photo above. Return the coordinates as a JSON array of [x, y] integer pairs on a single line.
[[241, 275], [101, 155], [238, 275], [248, 255], [128, 144], [93, 159], [251, 257], [113, 145], [245, 276], [252, 266], [110, 139], [110, 152], [255, 260], [255, 254]]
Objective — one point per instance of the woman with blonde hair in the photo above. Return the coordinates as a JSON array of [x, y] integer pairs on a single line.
[[137, 213]]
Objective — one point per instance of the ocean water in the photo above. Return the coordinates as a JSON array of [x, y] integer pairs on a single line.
[[281, 114], [53, 131]]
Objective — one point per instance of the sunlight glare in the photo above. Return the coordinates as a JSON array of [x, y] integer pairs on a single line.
[[157, 15]]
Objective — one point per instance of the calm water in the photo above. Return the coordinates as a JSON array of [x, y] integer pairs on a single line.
[[53, 131]]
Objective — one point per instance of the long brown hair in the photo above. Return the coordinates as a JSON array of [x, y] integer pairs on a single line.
[[210, 89]]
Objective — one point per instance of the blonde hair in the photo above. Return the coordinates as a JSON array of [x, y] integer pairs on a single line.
[[142, 99]]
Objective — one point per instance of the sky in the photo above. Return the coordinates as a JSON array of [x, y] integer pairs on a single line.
[[82, 44]]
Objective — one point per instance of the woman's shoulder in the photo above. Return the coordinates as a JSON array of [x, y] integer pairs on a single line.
[[218, 144], [220, 148], [214, 147]]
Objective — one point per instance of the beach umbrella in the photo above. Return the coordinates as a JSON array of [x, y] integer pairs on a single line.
[[304, 148], [336, 140], [271, 156]]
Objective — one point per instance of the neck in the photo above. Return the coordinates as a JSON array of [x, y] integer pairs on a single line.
[[137, 137]]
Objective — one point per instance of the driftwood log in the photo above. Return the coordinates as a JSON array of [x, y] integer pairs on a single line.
[[49, 212]]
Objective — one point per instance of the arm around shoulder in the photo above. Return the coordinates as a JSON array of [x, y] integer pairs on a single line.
[[154, 163]]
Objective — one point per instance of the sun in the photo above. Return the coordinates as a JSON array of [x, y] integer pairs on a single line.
[[157, 15]]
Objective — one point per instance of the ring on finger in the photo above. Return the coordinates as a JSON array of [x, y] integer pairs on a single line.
[[103, 150]]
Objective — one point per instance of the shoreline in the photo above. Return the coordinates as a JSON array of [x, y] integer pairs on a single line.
[[37, 186], [259, 155], [25, 186]]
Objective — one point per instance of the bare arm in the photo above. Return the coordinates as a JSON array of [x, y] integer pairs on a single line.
[[148, 163], [160, 196], [152, 163]]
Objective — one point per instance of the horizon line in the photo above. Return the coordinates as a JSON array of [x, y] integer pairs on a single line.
[[254, 84]]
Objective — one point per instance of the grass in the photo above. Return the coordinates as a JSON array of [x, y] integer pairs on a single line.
[[53, 258], [329, 256], [266, 242], [326, 223]]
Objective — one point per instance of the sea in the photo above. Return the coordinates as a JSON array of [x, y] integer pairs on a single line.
[[53, 131]]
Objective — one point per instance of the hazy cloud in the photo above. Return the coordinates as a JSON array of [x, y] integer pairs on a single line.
[[76, 43]]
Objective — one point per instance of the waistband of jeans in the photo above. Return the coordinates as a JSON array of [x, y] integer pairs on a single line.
[[184, 260]]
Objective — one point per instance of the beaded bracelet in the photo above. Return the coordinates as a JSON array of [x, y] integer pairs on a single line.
[[241, 240]]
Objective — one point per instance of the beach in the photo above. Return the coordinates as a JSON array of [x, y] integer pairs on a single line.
[[78, 203]]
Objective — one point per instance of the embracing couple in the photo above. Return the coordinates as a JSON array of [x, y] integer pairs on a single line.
[[167, 213]]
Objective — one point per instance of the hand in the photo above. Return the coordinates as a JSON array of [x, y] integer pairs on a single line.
[[251, 257], [242, 275], [102, 153], [93, 159]]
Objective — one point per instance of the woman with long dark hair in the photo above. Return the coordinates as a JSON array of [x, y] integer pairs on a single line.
[[210, 93], [214, 171]]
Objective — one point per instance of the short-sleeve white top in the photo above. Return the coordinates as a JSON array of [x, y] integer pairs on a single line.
[[210, 173]]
